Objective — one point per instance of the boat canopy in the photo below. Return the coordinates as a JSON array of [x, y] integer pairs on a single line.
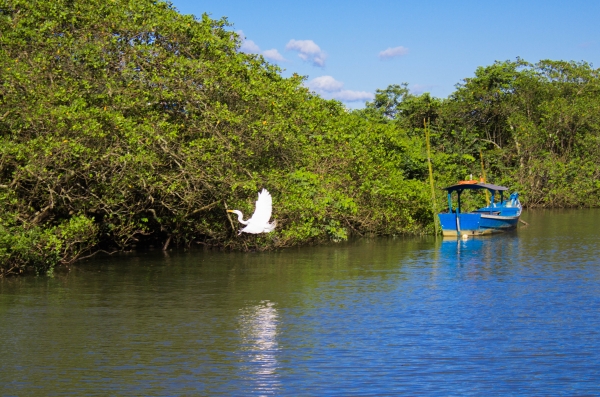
[[478, 185]]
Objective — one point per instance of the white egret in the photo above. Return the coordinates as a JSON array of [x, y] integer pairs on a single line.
[[259, 221]]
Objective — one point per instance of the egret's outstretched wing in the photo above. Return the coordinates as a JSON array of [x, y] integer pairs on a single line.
[[264, 206], [269, 227]]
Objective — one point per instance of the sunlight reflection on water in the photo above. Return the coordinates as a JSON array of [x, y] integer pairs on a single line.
[[258, 334]]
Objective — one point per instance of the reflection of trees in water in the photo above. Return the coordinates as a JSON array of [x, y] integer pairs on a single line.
[[259, 347]]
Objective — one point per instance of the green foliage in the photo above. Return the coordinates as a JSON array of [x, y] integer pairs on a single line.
[[537, 124], [538, 127], [41, 249], [125, 124]]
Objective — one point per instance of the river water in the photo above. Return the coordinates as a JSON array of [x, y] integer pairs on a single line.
[[513, 314]]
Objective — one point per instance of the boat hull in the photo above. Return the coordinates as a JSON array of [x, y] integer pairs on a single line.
[[476, 224]]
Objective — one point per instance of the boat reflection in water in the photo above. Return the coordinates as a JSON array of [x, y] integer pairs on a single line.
[[481, 256], [259, 347]]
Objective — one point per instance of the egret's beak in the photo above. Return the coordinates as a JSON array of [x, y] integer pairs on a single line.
[[229, 210]]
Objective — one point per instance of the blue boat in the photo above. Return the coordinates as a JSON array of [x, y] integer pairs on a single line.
[[496, 217]]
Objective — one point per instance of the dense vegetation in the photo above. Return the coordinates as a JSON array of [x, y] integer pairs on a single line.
[[124, 124], [537, 125]]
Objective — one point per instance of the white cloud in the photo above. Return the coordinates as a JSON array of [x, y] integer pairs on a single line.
[[273, 55], [308, 51], [325, 83], [250, 47], [393, 52], [351, 96], [330, 88]]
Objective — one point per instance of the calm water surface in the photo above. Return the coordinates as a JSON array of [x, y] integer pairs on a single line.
[[516, 314]]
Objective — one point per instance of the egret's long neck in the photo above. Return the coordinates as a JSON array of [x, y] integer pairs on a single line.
[[240, 217]]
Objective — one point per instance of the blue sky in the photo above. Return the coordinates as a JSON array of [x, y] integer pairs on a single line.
[[348, 49]]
